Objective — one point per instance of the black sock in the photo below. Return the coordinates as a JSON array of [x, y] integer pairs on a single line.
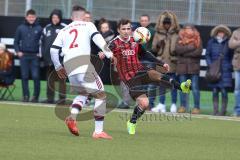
[[137, 113], [175, 83]]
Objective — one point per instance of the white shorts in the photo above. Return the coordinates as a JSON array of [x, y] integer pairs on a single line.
[[86, 83]]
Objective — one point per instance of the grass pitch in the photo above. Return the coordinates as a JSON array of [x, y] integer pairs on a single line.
[[35, 133], [205, 98]]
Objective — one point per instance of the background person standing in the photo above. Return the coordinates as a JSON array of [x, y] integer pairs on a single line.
[[218, 45], [48, 36], [26, 45]]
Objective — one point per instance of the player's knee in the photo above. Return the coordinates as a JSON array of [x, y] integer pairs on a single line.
[[143, 103]]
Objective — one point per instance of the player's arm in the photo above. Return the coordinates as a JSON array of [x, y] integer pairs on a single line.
[[149, 55], [54, 51]]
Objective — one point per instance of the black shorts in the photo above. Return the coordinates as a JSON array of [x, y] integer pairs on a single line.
[[138, 85]]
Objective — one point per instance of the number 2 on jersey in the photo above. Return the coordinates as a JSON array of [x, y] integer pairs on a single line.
[[73, 44]]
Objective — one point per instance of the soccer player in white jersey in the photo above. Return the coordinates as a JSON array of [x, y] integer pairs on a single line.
[[74, 42]]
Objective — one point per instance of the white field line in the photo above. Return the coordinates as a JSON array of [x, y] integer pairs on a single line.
[[201, 116]]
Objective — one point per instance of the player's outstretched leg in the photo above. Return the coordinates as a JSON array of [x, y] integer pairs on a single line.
[[99, 112], [76, 107], [138, 111], [158, 77], [184, 86]]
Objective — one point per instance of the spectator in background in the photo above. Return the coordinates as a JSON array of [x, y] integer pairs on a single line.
[[164, 42], [216, 45], [48, 36], [144, 21], [6, 66], [26, 44], [105, 30], [234, 43], [189, 51], [108, 35], [88, 16]]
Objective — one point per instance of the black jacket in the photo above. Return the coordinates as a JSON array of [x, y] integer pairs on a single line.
[[102, 67], [48, 36], [27, 38]]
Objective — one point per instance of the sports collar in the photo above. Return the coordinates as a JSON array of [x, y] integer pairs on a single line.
[[123, 39]]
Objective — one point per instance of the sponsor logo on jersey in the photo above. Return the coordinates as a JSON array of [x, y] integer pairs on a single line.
[[128, 52]]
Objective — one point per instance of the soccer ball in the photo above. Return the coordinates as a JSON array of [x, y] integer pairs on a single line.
[[141, 35]]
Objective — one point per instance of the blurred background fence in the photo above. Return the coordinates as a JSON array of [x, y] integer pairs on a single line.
[[200, 12]]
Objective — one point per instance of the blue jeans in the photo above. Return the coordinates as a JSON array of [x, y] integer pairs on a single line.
[[151, 94], [237, 93], [195, 90], [162, 93], [30, 63]]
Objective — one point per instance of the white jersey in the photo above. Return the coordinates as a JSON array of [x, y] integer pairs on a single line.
[[75, 42]]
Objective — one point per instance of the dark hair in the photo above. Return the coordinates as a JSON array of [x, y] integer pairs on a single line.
[[123, 22], [145, 15], [87, 12], [30, 12], [78, 8], [57, 12], [167, 20], [101, 21]]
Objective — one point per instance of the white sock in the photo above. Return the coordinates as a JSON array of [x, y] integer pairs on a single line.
[[74, 113], [98, 126]]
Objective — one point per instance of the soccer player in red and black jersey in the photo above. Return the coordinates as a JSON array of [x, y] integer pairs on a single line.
[[134, 74]]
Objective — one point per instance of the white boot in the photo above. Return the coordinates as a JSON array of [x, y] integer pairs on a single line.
[[159, 108], [173, 108]]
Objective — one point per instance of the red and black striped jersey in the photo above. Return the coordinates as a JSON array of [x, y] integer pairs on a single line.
[[127, 53]]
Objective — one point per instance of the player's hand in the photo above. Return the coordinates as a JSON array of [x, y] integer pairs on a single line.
[[101, 55], [166, 67], [61, 72], [19, 54], [114, 60]]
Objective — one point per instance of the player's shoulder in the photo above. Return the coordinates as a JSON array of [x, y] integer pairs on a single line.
[[91, 25], [63, 24], [83, 23], [77, 24], [65, 27], [113, 42]]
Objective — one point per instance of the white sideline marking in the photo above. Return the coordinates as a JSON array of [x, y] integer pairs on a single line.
[[201, 116]]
